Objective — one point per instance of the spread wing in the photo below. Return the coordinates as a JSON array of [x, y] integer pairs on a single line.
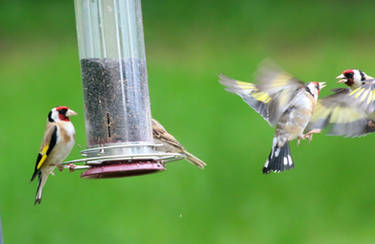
[[364, 97], [48, 143], [340, 116], [271, 95], [159, 132]]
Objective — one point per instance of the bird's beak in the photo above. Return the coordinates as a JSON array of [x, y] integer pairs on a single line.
[[70, 113], [322, 85], [342, 78]]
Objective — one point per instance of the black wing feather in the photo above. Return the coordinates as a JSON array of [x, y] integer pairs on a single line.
[[50, 148]]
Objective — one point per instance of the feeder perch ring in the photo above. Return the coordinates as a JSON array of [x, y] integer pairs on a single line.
[[112, 166], [95, 161]]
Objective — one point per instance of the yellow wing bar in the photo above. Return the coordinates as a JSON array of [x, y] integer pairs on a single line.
[[252, 90], [44, 156], [363, 94]]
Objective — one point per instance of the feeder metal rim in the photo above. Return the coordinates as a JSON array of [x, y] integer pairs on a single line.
[[166, 157], [119, 146], [77, 167], [137, 157]]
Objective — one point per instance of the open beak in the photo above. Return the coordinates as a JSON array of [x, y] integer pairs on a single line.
[[342, 78], [70, 113], [322, 85]]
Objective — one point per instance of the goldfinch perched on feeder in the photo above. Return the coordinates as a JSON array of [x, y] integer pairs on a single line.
[[348, 112], [284, 102], [58, 141], [170, 144]]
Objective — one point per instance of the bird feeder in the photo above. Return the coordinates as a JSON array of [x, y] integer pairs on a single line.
[[115, 87]]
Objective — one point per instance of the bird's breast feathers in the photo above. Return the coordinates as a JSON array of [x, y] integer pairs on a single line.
[[304, 100], [66, 132], [65, 142]]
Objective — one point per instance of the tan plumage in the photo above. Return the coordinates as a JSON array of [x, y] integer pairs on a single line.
[[282, 101], [58, 141], [170, 144]]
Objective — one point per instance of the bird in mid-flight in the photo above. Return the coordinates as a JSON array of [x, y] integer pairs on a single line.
[[284, 102], [348, 112]]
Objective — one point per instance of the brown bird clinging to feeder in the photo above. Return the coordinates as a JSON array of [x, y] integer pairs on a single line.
[[170, 144]]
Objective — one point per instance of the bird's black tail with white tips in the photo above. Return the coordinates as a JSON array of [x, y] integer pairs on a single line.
[[279, 159], [42, 179], [38, 197]]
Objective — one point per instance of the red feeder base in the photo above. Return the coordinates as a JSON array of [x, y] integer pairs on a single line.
[[123, 169]]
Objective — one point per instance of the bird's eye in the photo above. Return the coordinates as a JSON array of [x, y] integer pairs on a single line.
[[62, 111]]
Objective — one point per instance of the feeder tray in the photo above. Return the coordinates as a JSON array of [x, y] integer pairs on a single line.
[[122, 165], [123, 169]]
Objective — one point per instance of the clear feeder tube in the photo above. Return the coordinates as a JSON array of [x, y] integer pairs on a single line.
[[114, 76]]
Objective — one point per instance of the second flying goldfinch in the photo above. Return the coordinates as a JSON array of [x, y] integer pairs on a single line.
[[353, 78], [58, 141], [348, 112], [284, 102], [170, 144]]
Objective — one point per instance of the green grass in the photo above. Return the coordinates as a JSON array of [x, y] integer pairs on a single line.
[[327, 198]]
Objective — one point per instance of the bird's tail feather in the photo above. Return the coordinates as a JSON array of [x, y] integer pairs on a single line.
[[41, 181], [279, 159], [34, 175], [194, 160]]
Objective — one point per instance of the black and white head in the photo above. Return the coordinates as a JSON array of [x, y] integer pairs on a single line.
[[353, 78], [313, 88], [61, 113]]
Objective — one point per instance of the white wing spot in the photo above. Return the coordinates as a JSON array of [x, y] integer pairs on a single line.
[[277, 152], [274, 141], [290, 160], [285, 160], [266, 164]]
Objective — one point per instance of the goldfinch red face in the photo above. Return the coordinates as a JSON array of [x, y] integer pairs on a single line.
[[314, 88], [353, 77], [61, 113]]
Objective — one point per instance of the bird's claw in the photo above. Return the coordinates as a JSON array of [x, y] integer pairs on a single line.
[[308, 135], [371, 124], [60, 167], [71, 167]]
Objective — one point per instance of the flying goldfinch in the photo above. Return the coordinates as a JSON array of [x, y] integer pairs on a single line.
[[170, 144], [353, 78], [348, 112], [58, 141], [282, 101]]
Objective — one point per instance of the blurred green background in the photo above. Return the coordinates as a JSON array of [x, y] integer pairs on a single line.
[[328, 197]]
